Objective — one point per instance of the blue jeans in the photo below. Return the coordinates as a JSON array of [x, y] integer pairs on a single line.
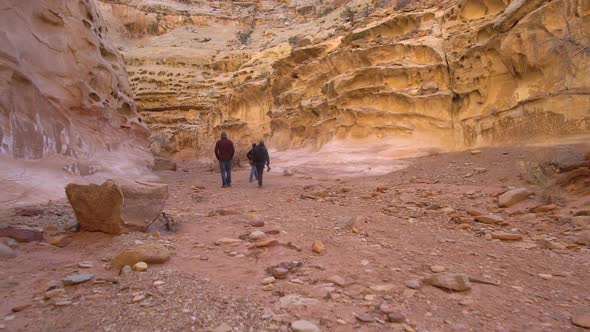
[[253, 173], [225, 166]]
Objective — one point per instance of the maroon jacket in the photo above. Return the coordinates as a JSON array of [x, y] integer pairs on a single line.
[[224, 149]]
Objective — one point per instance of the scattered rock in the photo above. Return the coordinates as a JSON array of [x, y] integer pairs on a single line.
[[226, 241], [85, 265], [583, 238], [506, 236], [118, 205], [22, 233], [304, 326], [126, 270], [413, 284], [475, 152], [364, 318], [513, 196], [279, 272], [268, 287], [582, 213], [489, 219], [11, 243], [396, 317], [475, 212], [545, 208], [318, 247], [138, 298], [256, 223], [450, 281], [6, 251], [21, 307], [28, 211], [337, 280], [140, 266], [582, 321], [268, 281], [438, 268], [163, 164], [152, 253], [75, 279], [545, 276], [257, 236], [382, 288], [60, 240], [296, 300]]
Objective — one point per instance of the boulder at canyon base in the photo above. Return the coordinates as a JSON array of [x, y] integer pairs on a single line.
[[118, 205]]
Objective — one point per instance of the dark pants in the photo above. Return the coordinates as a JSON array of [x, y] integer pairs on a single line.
[[260, 171], [225, 166]]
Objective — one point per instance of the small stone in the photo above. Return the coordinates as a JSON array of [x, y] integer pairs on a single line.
[[10, 317], [140, 267], [396, 317], [438, 268], [318, 247], [20, 308], [138, 298], [158, 283], [545, 208], [513, 196], [268, 281], [450, 281], [2, 326], [85, 265], [138, 242], [337, 280], [304, 326], [488, 236], [228, 241], [296, 281], [126, 270], [364, 262], [370, 297], [364, 318], [474, 212], [466, 302], [54, 293], [11, 243], [386, 308], [156, 234], [279, 272], [545, 276], [257, 236], [22, 233], [256, 223], [475, 152], [506, 236], [382, 288], [582, 321], [489, 219], [75, 279], [268, 287], [62, 303], [6, 251], [413, 284]]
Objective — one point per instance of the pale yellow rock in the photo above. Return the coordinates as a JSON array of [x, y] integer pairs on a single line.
[[140, 267], [318, 247]]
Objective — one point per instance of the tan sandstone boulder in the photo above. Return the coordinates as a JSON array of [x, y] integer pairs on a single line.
[[118, 205], [151, 253]]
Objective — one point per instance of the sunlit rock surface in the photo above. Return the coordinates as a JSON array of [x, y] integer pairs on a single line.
[[456, 73]]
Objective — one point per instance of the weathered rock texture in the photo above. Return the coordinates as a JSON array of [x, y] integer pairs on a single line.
[[457, 73], [63, 86], [117, 206]]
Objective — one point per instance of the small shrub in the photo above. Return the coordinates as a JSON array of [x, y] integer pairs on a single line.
[[244, 37], [348, 14], [293, 40], [358, 35]]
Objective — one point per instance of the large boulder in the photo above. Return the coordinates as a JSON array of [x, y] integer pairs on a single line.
[[152, 253], [118, 205], [163, 164]]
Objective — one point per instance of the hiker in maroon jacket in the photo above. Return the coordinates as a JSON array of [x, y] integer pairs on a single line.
[[224, 151]]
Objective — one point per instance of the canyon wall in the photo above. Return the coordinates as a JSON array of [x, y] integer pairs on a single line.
[[452, 74], [64, 89]]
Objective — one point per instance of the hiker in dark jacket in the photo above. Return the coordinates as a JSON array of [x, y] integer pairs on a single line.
[[224, 151], [253, 171], [260, 157]]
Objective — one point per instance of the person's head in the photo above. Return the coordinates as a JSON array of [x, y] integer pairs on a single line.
[[261, 142], [223, 134], [253, 145]]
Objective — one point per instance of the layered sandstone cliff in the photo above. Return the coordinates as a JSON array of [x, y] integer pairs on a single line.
[[455, 73], [63, 86]]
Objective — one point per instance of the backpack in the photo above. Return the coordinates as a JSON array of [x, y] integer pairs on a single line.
[[259, 155]]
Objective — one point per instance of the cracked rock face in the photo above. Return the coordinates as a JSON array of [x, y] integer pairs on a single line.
[[458, 73], [63, 85]]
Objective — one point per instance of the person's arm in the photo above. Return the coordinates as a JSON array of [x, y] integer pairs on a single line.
[[249, 155], [267, 159], [231, 149], [217, 150]]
